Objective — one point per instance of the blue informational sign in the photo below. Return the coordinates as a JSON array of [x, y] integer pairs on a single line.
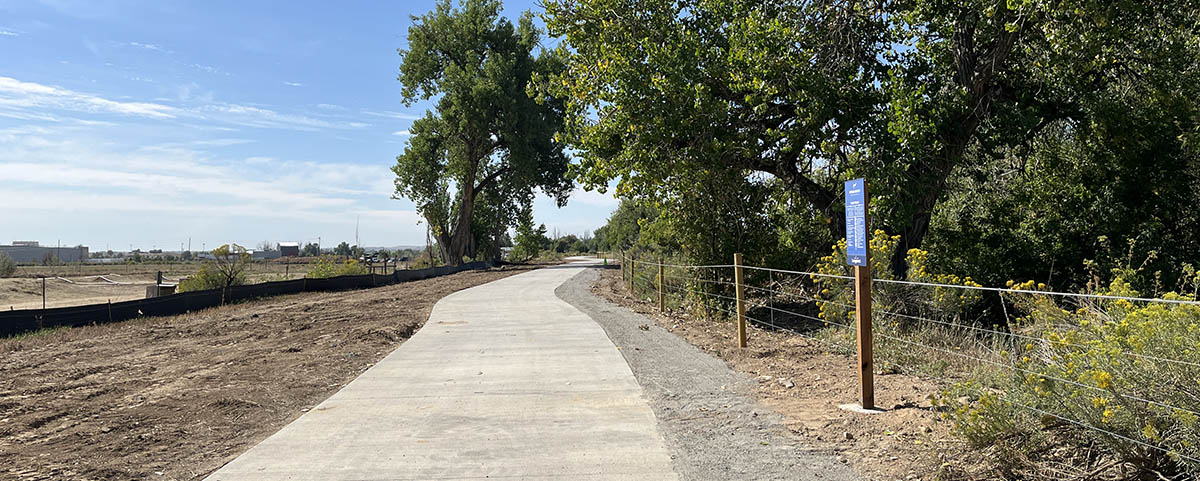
[[856, 222]]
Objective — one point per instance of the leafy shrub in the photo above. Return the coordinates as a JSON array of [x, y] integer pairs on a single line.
[[529, 240], [836, 295], [942, 317], [7, 266], [424, 261], [1086, 373], [327, 266], [226, 270], [1119, 374], [208, 277]]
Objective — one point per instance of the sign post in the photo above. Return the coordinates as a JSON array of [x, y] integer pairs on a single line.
[[858, 254]]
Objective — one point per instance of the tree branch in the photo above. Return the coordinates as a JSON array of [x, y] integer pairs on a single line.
[[490, 178]]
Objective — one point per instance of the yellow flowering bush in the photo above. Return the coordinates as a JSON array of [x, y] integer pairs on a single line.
[[1122, 373], [937, 301], [931, 315], [835, 296]]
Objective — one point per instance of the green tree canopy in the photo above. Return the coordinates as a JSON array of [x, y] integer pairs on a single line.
[[492, 138], [905, 93]]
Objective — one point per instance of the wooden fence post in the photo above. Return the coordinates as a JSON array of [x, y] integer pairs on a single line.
[[662, 304], [739, 281], [632, 275]]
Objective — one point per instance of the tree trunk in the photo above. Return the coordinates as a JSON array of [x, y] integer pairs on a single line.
[[461, 241], [931, 186]]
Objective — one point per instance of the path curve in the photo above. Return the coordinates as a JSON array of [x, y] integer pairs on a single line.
[[505, 381]]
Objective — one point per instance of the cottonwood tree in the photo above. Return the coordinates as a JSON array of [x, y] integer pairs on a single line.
[[816, 92], [490, 132]]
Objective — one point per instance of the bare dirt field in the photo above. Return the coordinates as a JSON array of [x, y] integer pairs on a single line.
[[174, 398], [173, 269], [803, 381], [94, 284]]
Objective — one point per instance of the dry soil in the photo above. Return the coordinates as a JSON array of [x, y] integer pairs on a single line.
[[174, 398], [806, 383]]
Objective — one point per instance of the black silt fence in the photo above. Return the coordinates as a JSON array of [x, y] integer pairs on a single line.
[[26, 320]]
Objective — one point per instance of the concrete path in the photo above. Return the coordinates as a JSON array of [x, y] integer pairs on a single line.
[[505, 381]]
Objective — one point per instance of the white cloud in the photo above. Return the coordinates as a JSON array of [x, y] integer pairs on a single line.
[[220, 142], [30, 101], [249, 116], [392, 115], [27, 115], [402, 133], [166, 175], [178, 191], [8, 33], [331, 107], [18, 95], [293, 84], [149, 46], [210, 69]]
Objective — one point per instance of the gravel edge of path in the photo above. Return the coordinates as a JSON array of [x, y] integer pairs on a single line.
[[707, 413]]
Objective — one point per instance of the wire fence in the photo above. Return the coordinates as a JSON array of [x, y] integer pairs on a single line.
[[14, 322], [809, 304]]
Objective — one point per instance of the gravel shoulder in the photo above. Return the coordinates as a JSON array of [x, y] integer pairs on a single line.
[[707, 413]]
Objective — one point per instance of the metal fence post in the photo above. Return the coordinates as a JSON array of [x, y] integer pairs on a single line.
[[662, 304], [739, 281]]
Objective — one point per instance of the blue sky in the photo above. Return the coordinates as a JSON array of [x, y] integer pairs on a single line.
[[147, 124]]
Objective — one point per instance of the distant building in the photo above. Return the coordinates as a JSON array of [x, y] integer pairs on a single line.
[[289, 249], [263, 255], [30, 252]]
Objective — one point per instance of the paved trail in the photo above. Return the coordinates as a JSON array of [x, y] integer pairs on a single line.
[[505, 381]]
